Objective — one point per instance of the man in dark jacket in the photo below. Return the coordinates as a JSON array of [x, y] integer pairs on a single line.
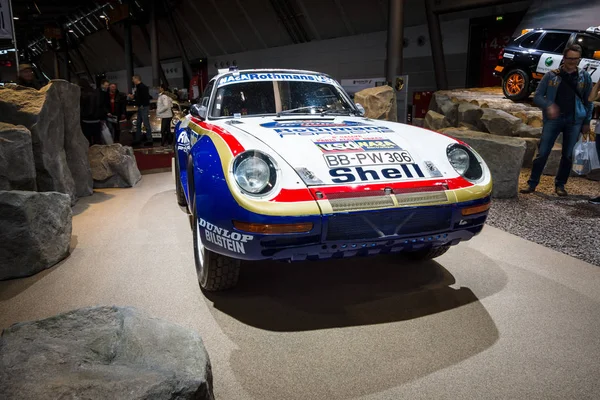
[[92, 112], [117, 110], [142, 101]]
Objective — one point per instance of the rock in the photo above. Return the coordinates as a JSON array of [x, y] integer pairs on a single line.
[[445, 106], [531, 118], [499, 122], [379, 103], [553, 162], [526, 131], [469, 114], [435, 121], [451, 129], [103, 353], [76, 145], [503, 155], [113, 166], [40, 111], [418, 122], [17, 168], [35, 231], [468, 126], [532, 147]]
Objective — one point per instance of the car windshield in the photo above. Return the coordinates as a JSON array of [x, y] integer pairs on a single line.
[[279, 97]]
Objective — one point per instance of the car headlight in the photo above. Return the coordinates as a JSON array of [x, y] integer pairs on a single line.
[[465, 162], [255, 172]]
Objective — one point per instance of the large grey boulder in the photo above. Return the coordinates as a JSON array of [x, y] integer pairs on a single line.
[[103, 353], [444, 105], [17, 168], [532, 118], [553, 162], [532, 147], [435, 121], [379, 103], [503, 155], [469, 114], [76, 145], [498, 122], [526, 131], [35, 231], [113, 166]]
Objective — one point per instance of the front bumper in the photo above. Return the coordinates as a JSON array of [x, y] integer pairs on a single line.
[[367, 233]]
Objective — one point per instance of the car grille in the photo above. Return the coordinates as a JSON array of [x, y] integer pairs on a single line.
[[378, 224]]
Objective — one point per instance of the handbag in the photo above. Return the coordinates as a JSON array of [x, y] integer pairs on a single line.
[[106, 136]]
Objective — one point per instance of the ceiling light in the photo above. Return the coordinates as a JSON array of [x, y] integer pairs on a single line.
[[103, 16], [16, 18], [71, 31]]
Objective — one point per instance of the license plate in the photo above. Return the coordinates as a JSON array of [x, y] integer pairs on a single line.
[[368, 158]]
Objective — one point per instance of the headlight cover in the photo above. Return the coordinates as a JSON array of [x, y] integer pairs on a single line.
[[465, 162], [255, 173]]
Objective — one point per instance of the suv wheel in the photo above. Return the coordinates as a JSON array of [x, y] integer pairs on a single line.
[[515, 85]]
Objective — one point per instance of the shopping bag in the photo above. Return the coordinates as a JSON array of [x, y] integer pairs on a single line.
[[106, 136]]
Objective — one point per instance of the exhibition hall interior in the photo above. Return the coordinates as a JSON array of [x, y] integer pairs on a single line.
[[299, 199]]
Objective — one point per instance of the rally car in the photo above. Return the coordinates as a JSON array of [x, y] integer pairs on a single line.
[[281, 165], [525, 60]]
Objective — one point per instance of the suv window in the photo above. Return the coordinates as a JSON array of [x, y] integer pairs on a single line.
[[589, 44], [554, 42], [530, 40]]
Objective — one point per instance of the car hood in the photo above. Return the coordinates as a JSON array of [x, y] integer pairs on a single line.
[[349, 150]]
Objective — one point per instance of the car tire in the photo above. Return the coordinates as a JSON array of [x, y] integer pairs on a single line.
[[216, 272], [178, 188], [515, 85], [427, 254]]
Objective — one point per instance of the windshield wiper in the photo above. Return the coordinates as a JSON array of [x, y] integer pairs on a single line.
[[280, 113], [336, 111]]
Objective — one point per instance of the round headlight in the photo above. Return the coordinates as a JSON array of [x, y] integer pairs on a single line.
[[459, 159], [465, 161], [254, 172]]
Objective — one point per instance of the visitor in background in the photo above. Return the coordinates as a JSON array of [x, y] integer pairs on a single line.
[[91, 112], [27, 77], [164, 111], [142, 101], [563, 97], [595, 96], [117, 110]]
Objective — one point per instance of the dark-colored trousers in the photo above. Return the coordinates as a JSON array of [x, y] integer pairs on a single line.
[[92, 132], [165, 131], [116, 131], [553, 128]]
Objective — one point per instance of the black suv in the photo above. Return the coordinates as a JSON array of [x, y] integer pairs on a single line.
[[525, 60]]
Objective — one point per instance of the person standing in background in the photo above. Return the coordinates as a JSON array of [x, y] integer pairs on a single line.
[[142, 101], [92, 112], [595, 96], [117, 110], [27, 77], [164, 111], [563, 97]]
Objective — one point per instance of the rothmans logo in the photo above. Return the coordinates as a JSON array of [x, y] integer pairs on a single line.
[[549, 61]]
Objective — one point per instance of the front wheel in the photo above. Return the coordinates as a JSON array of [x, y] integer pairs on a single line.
[[427, 254], [216, 272], [515, 85]]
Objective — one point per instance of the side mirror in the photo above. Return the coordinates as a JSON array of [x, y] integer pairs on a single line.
[[361, 109], [198, 111]]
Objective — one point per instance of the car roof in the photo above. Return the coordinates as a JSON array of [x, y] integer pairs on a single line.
[[563, 30], [267, 70]]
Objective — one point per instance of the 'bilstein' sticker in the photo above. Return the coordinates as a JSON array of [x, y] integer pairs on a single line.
[[232, 241]]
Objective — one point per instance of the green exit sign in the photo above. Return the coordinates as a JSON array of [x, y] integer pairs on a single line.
[[499, 18]]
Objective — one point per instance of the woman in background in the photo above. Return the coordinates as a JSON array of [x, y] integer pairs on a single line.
[[164, 111]]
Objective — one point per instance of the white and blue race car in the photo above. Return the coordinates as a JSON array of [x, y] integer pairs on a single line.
[[282, 165]]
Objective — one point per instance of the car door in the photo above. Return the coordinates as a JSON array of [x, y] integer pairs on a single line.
[[590, 59], [551, 47]]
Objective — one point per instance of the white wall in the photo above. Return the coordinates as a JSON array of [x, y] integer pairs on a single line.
[[364, 56]]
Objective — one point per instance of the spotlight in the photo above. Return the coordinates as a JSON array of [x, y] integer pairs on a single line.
[[102, 16], [16, 18]]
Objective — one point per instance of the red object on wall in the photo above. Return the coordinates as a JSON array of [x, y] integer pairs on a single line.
[[421, 103]]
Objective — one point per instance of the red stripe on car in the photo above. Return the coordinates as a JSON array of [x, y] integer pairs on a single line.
[[233, 144]]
